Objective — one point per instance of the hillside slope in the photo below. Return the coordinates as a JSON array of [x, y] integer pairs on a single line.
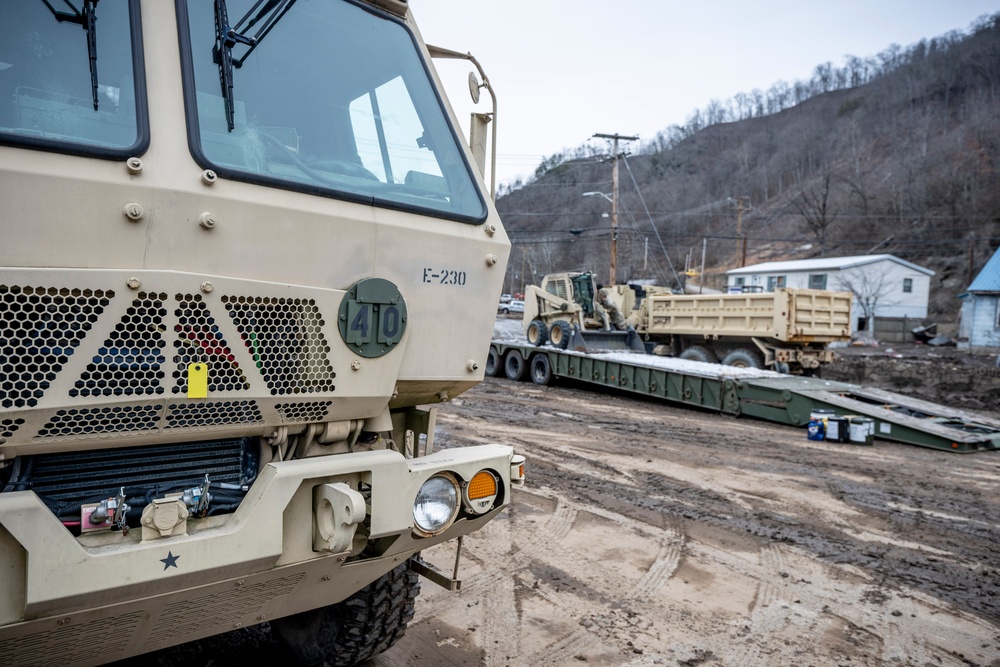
[[895, 154]]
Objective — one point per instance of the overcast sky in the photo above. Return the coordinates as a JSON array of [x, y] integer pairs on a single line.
[[565, 70]]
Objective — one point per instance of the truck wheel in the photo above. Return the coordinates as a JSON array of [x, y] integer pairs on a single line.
[[352, 631], [559, 334], [514, 366], [743, 358], [492, 362], [541, 369], [537, 333], [699, 353]]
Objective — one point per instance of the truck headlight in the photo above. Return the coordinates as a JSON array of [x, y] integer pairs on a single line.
[[436, 504]]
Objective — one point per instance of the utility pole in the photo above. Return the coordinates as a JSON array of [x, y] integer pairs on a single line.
[[612, 276], [701, 277], [742, 204]]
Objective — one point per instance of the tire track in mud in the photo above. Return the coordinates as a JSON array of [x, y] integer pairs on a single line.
[[604, 628], [766, 618]]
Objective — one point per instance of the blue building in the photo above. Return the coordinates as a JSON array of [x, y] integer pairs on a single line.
[[980, 329]]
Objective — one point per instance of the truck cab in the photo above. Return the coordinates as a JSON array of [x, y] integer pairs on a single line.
[[246, 250]]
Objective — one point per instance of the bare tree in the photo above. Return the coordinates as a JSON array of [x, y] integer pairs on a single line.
[[815, 207], [870, 288]]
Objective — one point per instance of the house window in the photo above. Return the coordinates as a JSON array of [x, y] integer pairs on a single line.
[[907, 285], [817, 281], [775, 282]]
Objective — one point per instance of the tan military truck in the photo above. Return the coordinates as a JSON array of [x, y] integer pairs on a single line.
[[243, 244], [788, 330]]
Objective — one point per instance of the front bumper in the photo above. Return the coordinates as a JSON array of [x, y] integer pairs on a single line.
[[92, 600]]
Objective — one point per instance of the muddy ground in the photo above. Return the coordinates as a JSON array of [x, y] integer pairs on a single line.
[[654, 535]]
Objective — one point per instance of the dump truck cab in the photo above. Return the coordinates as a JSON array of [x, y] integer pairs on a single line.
[[246, 250]]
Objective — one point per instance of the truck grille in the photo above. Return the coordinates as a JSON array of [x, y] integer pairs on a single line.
[[261, 353]]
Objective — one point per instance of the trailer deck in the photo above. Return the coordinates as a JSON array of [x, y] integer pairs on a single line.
[[763, 394]]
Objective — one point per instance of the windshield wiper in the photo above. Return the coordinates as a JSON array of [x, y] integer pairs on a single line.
[[226, 37], [86, 17]]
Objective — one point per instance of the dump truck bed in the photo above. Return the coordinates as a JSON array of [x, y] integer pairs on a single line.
[[787, 315]]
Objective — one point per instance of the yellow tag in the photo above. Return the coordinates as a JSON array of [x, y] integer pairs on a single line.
[[197, 380]]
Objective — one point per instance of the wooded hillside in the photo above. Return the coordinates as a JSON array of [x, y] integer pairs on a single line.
[[897, 153]]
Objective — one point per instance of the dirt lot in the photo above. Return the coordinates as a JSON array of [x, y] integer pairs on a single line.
[[654, 535], [651, 535]]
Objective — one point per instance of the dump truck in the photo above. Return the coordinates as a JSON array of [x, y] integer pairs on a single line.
[[246, 250], [788, 330]]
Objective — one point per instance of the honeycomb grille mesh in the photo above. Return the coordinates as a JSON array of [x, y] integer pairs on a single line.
[[285, 338], [303, 412], [129, 363], [8, 427], [142, 348], [118, 419], [206, 415], [200, 341], [40, 327]]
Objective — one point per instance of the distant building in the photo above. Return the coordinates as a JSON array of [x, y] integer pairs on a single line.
[[980, 329], [884, 286]]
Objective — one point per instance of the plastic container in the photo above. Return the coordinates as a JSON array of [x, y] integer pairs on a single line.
[[816, 429]]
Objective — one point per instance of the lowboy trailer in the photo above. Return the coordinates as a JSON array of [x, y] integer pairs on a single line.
[[785, 399]]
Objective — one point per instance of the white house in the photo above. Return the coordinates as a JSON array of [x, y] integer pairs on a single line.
[[883, 285], [980, 331]]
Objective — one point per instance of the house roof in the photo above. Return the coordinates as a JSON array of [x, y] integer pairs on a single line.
[[988, 279], [825, 263]]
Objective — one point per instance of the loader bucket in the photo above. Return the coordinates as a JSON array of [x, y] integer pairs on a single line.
[[605, 341]]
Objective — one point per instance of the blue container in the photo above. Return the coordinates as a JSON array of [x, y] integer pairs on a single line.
[[816, 430]]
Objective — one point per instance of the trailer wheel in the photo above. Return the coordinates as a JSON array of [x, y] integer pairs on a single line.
[[362, 626], [742, 357], [560, 333], [537, 333], [514, 366], [699, 353], [541, 369], [492, 362]]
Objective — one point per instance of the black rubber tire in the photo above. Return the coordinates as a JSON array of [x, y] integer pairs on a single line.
[[514, 366], [541, 369], [505, 311], [699, 353], [743, 357], [362, 626], [492, 363], [537, 334], [559, 334]]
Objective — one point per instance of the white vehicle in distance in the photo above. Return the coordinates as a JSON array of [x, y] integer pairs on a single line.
[[512, 306]]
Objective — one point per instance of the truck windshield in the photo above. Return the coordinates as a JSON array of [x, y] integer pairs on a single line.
[[334, 99], [54, 91]]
